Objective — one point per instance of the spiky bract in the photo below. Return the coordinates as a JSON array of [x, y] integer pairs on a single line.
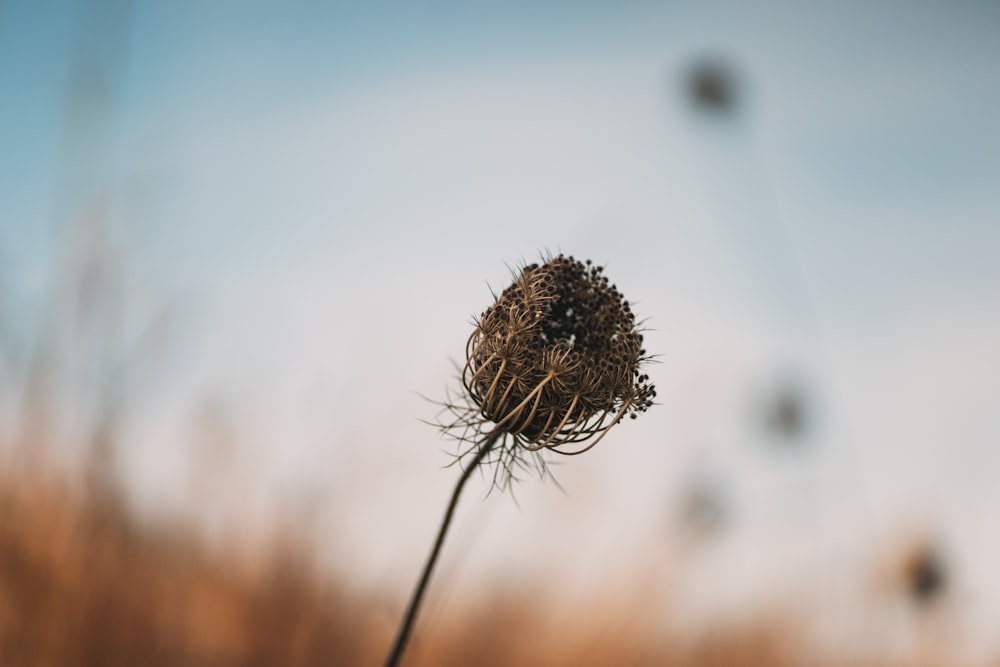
[[553, 364]]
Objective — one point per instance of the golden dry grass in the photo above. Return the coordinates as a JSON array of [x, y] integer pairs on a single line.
[[82, 583]]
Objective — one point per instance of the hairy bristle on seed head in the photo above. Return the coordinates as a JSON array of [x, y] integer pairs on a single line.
[[556, 360]]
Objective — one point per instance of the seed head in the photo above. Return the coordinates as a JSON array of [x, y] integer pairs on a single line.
[[553, 364]]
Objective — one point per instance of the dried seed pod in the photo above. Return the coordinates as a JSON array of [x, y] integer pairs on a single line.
[[553, 364]]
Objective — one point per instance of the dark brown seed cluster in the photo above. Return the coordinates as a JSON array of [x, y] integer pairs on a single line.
[[556, 361]]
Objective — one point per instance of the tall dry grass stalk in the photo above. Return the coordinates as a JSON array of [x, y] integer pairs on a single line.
[[552, 365]]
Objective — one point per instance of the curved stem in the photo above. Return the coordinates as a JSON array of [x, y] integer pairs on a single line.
[[418, 593]]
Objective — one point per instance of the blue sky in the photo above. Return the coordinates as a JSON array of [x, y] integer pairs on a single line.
[[879, 110]]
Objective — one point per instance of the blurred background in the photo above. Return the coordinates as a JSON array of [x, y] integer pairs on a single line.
[[240, 242]]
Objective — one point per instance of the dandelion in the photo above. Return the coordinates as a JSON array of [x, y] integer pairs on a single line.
[[552, 365]]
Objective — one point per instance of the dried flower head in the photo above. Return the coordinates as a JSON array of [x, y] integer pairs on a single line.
[[553, 364]]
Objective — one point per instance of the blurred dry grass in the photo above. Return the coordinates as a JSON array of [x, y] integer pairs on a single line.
[[83, 583]]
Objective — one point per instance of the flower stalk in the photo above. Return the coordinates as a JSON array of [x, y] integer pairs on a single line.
[[403, 635], [552, 365]]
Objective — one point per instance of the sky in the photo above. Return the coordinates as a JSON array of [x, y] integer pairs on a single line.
[[309, 202]]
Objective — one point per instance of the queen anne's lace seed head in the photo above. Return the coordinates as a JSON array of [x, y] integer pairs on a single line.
[[553, 364]]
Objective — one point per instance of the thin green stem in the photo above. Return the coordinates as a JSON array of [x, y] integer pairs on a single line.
[[418, 593]]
